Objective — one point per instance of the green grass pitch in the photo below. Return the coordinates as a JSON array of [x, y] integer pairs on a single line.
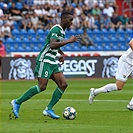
[[108, 113]]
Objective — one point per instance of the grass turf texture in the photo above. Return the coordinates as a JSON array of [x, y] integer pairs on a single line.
[[108, 113]]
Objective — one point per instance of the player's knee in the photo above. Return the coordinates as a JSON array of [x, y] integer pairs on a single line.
[[63, 85], [42, 87], [119, 87]]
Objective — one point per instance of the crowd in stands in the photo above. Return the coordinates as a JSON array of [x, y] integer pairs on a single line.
[[42, 14]]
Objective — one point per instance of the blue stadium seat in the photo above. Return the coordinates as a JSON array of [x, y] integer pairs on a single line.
[[2, 39], [29, 2], [62, 48], [46, 32], [122, 46], [71, 32], [15, 33], [76, 48], [83, 48], [31, 34], [1, 5], [34, 40], [129, 33], [76, 44], [30, 47], [97, 39], [25, 39], [115, 48], [99, 48], [111, 33], [120, 33], [19, 5], [16, 25], [121, 38], [11, 45], [40, 34], [24, 47], [23, 33], [68, 47], [31, 31], [104, 30], [90, 33], [74, 4], [92, 48], [96, 33], [18, 40], [40, 31], [9, 39], [79, 31], [42, 39], [107, 48], [128, 39], [40, 45], [104, 33], [9, 5], [105, 39]]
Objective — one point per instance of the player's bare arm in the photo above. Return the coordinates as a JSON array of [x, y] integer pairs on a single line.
[[54, 44]]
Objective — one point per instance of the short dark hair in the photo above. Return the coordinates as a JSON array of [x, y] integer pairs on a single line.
[[65, 13]]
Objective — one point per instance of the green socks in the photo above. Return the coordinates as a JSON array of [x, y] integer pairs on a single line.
[[27, 95], [55, 98], [35, 90]]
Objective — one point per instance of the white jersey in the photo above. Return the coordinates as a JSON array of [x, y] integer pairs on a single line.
[[128, 56]]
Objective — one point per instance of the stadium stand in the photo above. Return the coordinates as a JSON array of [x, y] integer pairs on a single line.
[[31, 40]]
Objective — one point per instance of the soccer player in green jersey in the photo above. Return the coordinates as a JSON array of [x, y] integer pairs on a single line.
[[47, 68]]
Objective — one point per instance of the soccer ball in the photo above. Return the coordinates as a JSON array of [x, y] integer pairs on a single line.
[[69, 113]]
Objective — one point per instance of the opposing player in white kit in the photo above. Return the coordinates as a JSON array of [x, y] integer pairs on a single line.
[[125, 68]]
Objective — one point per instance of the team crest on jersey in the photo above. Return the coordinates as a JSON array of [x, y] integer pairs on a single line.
[[54, 34]]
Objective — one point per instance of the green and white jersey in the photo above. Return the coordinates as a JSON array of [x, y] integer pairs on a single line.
[[47, 54]]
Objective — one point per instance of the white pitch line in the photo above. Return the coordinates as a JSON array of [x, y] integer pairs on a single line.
[[111, 100], [82, 100]]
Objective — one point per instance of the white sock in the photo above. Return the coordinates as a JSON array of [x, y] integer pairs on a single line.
[[106, 88], [131, 102]]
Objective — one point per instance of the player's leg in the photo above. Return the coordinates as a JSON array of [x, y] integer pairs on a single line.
[[95, 91], [59, 79], [130, 104], [121, 77], [42, 83]]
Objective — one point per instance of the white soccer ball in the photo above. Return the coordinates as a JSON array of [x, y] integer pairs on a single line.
[[69, 113]]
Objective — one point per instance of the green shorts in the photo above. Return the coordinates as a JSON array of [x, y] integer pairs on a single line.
[[45, 70]]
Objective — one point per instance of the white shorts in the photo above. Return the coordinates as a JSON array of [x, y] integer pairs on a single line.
[[123, 71]]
